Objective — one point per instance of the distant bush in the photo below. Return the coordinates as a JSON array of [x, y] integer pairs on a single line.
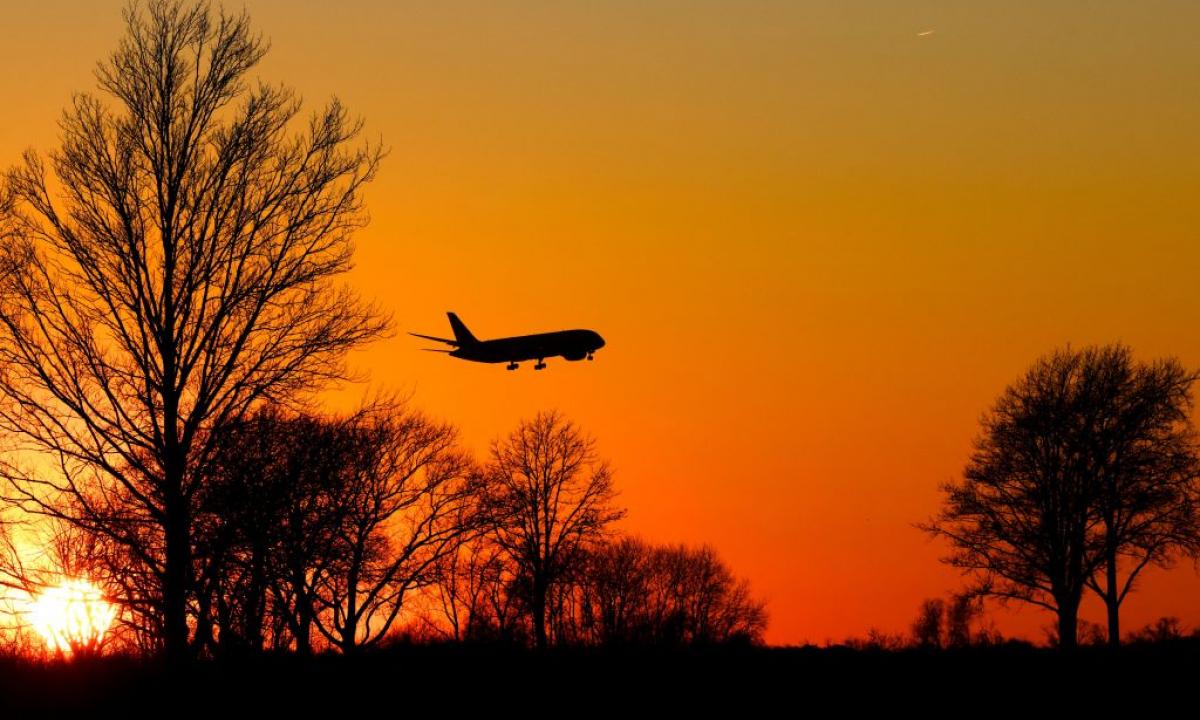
[[1162, 630]]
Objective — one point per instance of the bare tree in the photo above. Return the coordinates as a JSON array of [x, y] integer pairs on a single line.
[[1146, 472], [171, 266], [1084, 464], [312, 458], [1021, 519], [618, 586], [551, 496], [471, 594], [962, 610], [700, 602], [241, 515], [928, 629], [1163, 630], [408, 495], [947, 623]]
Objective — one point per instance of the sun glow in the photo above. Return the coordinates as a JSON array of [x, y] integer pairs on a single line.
[[72, 616]]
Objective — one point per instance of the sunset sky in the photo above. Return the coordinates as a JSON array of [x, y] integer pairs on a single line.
[[819, 238]]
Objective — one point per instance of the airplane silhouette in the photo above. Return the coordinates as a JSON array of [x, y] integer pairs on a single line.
[[568, 344]]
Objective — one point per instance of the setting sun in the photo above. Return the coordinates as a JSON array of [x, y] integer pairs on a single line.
[[71, 616]]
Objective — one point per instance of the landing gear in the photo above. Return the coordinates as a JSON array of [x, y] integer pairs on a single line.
[[591, 357], [540, 364], [512, 366]]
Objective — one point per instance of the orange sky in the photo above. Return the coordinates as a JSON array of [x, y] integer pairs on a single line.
[[818, 243]]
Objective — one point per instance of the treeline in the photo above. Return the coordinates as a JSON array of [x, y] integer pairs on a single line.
[[316, 533], [619, 592], [958, 622]]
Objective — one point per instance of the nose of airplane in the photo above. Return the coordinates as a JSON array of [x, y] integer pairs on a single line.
[[599, 341]]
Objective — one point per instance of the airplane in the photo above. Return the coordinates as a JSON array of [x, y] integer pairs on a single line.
[[569, 344]]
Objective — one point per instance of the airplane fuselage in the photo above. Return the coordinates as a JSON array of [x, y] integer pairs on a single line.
[[567, 344]]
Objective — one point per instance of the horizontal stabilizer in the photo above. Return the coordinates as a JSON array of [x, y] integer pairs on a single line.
[[435, 339], [437, 350]]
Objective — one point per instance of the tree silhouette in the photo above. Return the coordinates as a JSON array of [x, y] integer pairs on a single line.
[[961, 611], [407, 496], [326, 524], [1146, 472], [551, 496], [666, 595], [310, 464], [946, 623], [472, 593], [620, 602], [1021, 518], [928, 629], [263, 531], [1162, 630], [170, 267], [1083, 463]]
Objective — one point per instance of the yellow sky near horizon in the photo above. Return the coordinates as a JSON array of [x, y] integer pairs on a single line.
[[818, 242]]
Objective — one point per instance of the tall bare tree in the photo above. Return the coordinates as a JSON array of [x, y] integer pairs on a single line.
[[172, 264], [1146, 472], [1086, 469], [551, 496], [1021, 520]]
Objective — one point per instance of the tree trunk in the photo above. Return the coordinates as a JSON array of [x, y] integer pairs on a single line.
[[1112, 598], [539, 614], [303, 614], [175, 584], [256, 597], [349, 630], [1068, 625], [304, 635]]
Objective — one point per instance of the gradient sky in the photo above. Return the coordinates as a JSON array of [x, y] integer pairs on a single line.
[[818, 239]]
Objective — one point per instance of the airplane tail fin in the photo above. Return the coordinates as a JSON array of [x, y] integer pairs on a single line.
[[461, 333]]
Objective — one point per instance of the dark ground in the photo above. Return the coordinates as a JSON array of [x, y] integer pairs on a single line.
[[455, 681]]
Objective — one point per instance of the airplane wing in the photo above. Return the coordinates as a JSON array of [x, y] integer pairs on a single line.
[[435, 339]]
